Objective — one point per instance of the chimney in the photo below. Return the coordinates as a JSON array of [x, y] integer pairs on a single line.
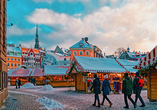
[[83, 39]]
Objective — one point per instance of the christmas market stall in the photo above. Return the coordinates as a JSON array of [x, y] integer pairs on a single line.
[[84, 68], [37, 77], [148, 68], [56, 76], [22, 74]]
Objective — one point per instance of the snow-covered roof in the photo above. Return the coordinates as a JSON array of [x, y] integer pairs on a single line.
[[55, 70], [133, 55], [37, 72], [20, 73], [85, 45], [93, 64], [13, 49], [128, 64]]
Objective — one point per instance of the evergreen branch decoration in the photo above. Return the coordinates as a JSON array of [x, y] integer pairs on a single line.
[[74, 66]]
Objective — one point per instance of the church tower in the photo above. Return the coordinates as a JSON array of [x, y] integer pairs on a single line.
[[37, 46]]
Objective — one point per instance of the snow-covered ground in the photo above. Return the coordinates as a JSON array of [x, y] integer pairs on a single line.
[[46, 88], [83, 101], [28, 85]]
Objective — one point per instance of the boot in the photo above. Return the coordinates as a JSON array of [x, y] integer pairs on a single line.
[[98, 106], [101, 103], [93, 104], [111, 104]]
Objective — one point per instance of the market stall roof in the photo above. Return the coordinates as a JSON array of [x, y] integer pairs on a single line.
[[128, 65], [50, 70], [94, 65], [20, 73], [149, 59], [37, 72]]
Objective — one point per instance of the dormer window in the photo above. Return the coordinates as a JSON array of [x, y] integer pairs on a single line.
[[15, 53], [80, 45], [8, 53]]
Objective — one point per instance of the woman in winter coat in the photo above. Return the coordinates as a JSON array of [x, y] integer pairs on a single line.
[[106, 89], [96, 86]]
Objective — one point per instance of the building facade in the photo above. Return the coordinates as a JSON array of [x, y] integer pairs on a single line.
[[134, 56], [31, 57], [14, 57], [83, 48], [3, 53]]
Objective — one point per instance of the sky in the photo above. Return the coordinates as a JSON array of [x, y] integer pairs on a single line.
[[108, 24]]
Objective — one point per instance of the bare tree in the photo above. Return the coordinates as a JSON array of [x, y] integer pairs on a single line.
[[119, 51]]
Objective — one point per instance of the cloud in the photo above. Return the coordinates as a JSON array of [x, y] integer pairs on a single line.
[[133, 23], [51, 1], [16, 31]]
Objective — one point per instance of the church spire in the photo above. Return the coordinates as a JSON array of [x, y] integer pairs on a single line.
[[37, 38]]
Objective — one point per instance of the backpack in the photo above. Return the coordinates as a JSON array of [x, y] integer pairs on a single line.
[[140, 83]]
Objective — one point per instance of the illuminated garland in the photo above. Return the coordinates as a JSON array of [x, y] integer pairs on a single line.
[[74, 66]]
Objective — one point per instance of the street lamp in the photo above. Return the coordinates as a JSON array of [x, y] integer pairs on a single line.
[[11, 24]]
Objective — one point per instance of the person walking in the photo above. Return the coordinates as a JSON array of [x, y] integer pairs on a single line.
[[106, 89], [137, 90], [96, 86], [19, 82], [127, 90], [16, 83]]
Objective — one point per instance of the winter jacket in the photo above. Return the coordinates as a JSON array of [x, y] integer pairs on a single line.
[[96, 86], [136, 90], [106, 87], [127, 86], [19, 82], [16, 82]]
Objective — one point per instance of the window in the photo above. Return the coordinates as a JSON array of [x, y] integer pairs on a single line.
[[87, 53], [23, 58], [26, 58], [18, 59], [18, 64], [11, 64], [64, 59], [8, 53], [80, 45], [15, 64], [8, 64], [81, 52], [8, 58], [15, 53], [75, 52], [31, 53], [15, 59], [11, 59]]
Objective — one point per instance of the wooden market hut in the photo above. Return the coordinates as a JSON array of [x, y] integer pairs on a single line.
[[84, 68], [148, 67], [23, 74], [37, 73], [56, 76]]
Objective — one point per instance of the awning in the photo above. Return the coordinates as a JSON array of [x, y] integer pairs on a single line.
[[95, 65], [20, 73], [37, 72], [55, 70], [150, 58]]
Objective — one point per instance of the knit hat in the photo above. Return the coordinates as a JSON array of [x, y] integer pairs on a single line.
[[137, 73], [95, 75], [106, 76]]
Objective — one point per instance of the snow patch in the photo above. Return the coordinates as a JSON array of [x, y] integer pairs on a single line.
[[49, 103], [46, 88], [28, 85]]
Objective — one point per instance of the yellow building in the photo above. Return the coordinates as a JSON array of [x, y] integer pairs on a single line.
[[14, 57]]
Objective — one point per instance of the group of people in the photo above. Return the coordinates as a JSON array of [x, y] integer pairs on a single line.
[[17, 83], [127, 88]]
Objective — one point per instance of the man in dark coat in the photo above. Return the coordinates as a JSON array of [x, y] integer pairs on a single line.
[[127, 90], [137, 90], [96, 86], [19, 82]]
